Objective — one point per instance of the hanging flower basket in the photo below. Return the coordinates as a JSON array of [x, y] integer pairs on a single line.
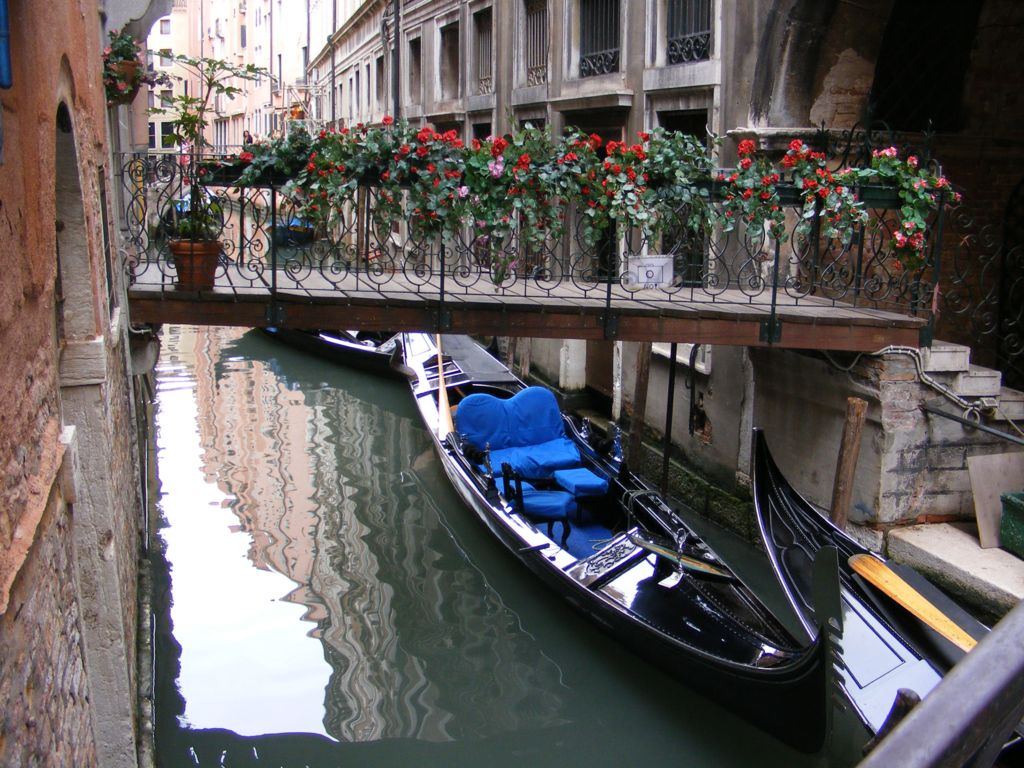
[[126, 81]]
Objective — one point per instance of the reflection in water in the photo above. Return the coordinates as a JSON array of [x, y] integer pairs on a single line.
[[310, 481], [315, 605]]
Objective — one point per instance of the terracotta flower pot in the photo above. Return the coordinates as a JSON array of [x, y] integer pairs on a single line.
[[196, 263], [128, 73]]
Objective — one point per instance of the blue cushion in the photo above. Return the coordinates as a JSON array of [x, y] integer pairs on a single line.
[[529, 417], [539, 462], [540, 505], [581, 482], [525, 430]]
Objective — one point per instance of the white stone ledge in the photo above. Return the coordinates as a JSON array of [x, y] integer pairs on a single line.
[[951, 556]]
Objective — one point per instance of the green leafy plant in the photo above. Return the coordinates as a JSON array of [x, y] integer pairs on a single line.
[[828, 198], [512, 185], [216, 77], [282, 158], [921, 190], [750, 195]]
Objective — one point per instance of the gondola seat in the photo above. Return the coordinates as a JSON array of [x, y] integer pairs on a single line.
[[581, 482], [525, 431], [550, 506]]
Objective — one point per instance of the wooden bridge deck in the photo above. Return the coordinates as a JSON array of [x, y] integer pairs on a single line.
[[522, 308]]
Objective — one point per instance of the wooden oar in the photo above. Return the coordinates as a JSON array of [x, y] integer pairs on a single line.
[[444, 421], [885, 579]]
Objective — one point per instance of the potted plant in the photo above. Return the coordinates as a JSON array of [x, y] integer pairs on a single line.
[[197, 218]]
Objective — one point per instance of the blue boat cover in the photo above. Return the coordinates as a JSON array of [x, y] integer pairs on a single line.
[[581, 482], [541, 505], [525, 430]]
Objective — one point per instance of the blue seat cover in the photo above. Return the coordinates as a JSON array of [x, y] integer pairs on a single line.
[[581, 482], [526, 430]]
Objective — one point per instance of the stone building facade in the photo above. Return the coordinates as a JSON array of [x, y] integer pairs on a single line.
[[770, 70], [72, 491]]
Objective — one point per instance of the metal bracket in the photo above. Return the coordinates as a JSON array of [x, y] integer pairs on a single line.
[[611, 326], [275, 314], [771, 330], [444, 320]]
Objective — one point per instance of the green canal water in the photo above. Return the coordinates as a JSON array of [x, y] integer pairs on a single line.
[[322, 597]]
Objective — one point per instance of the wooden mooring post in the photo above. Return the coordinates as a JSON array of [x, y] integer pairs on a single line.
[[846, 465]]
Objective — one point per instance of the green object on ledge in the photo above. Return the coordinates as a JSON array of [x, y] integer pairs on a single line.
[[1011, 527]]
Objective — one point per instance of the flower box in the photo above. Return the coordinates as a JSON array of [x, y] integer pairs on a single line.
[[214, 175], [879, 196]]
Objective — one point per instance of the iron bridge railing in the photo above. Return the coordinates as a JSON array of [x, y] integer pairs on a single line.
[[267, 245]]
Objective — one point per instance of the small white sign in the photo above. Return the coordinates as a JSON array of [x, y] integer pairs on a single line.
[[649, 272]]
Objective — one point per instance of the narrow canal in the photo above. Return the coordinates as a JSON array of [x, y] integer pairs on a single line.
[[322, 598]]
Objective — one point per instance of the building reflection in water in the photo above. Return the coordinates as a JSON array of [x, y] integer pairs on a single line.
[[315, 462]]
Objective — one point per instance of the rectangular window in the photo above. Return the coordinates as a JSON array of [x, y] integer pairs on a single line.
[[166, 135], [599, 37], [369, 106], [241, 36], [152, 135], [449, 63], [415, 71], [536, 42], [481, 131], [357, 96], [482, 24], [379, 92], [165, 26], [165, 57], [165, 98], [689, 31]]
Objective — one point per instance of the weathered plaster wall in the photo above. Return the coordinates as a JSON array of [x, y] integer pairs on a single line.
[[68, 541]]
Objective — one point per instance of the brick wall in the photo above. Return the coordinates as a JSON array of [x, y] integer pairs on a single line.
[[46, 706], [912, 466], [54, 155]]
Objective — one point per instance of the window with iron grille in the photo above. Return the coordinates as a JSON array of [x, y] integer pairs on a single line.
[[689, 30], [536, 28], [599, 37], [482, 23]]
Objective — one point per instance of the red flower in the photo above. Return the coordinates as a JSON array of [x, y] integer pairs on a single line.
[[246, 157], [746, 147], [388, 120]]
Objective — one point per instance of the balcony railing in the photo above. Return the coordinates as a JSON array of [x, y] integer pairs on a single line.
[[268, 246]]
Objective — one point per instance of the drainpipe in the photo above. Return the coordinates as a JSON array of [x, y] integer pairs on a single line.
[[6, 79], [5, 46], [330, 41], [395, 58]]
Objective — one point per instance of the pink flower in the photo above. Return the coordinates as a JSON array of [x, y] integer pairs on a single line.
[[463, 191]]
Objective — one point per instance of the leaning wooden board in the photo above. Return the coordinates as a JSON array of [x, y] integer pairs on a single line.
[[992, 476]]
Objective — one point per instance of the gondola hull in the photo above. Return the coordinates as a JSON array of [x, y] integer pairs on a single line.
[[374, 355], [883, 648], [679, 620]]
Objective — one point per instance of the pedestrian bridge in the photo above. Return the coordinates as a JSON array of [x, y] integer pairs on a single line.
[[731, 288]]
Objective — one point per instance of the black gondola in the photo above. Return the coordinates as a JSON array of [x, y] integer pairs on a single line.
[[563, 504], [367, 351], [884, 648]]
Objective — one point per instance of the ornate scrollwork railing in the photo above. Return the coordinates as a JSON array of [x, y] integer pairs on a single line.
[[267, 244]]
